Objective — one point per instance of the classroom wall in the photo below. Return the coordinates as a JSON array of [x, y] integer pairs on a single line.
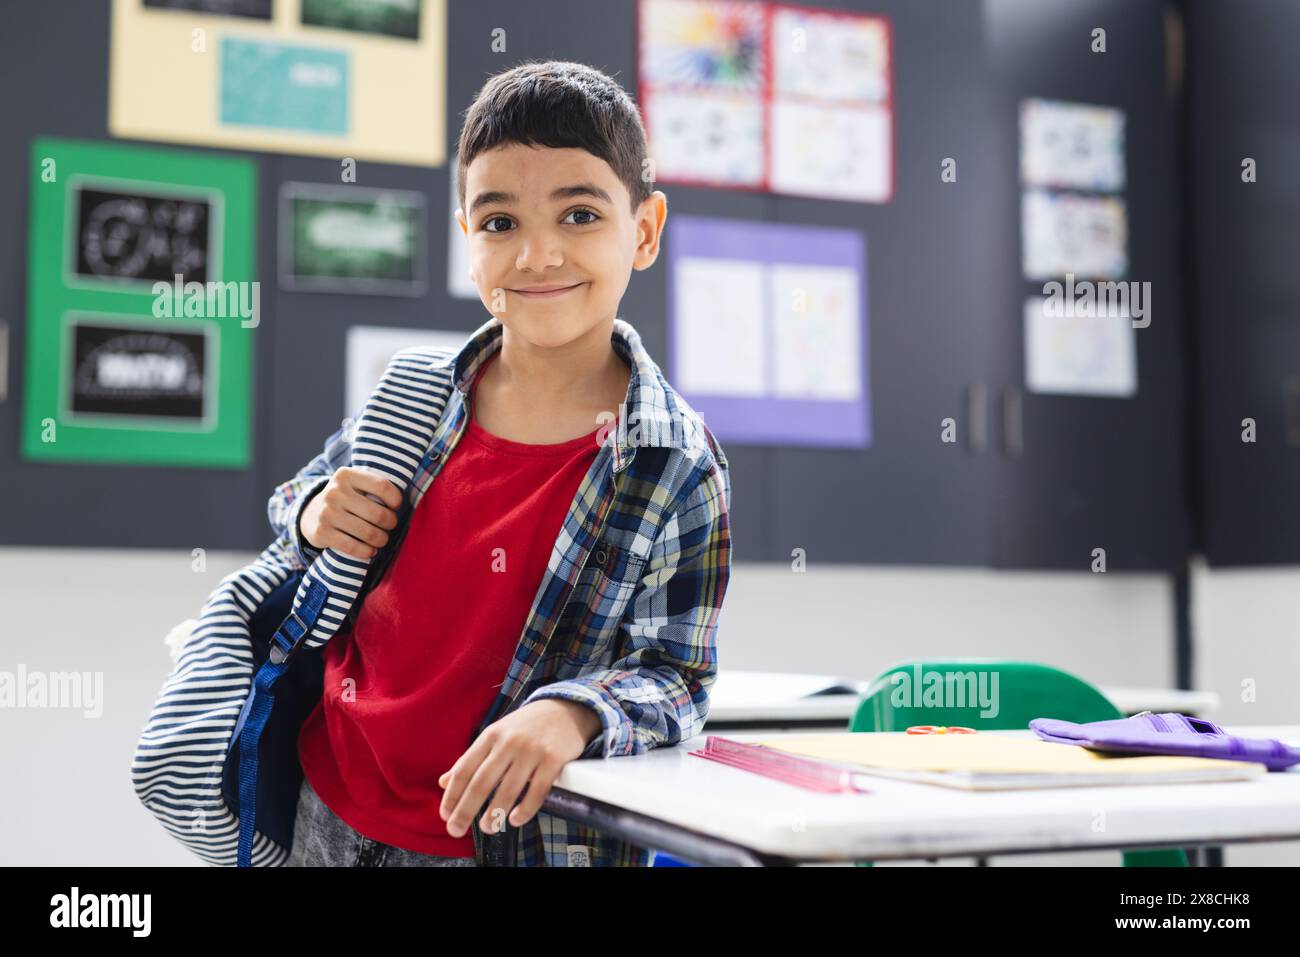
[[937, 277], [107, 607]]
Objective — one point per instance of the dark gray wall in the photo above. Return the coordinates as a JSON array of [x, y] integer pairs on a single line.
[[1245, 102]]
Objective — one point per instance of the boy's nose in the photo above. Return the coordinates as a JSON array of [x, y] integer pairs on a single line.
[[535, 256]]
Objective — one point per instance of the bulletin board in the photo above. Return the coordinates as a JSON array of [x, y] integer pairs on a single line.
[[768, 96], [343, 78], [129, 359], [767, 330]]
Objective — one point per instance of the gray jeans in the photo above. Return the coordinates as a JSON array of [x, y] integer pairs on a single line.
[[321, 839]]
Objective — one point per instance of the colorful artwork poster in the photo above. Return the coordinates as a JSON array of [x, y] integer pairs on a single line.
[[1089, 355], [356, 79], [768, 97], [1063, 233], [352, 239], [1071, 146], [767, 334], [142, 306]]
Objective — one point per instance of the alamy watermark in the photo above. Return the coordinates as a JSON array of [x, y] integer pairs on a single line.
[[210, 300], [55, 689], [1098, 299], [75, 909], [632, 430], [928, 688]]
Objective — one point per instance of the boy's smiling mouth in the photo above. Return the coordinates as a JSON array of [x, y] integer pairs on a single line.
[[550, 291]]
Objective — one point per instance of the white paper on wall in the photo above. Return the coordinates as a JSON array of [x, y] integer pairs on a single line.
[[721, 345], [459, 285], [1080, 355], [838, 152], [1063, 233], [815, 332], [833, 58], [1071, 145], [702, 135], [369, 348]]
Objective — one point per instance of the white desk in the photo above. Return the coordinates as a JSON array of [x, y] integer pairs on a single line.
[[708, 812], [1132, 700]]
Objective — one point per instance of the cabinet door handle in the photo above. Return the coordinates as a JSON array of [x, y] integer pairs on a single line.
[[1013, 423], [1291, 409], [4, 361], [977, 416]]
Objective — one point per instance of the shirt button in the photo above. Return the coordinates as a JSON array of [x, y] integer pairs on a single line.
[[601, 556]]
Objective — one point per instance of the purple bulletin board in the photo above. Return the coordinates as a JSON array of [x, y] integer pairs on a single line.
[[767, 330]]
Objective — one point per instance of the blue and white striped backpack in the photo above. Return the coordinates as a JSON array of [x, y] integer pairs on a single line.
[[217, 762]]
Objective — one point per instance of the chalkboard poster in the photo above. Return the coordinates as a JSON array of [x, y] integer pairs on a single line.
[[394, 18], [137, 371], [254, 9], [130, 235], [351, 239], [124, 362]]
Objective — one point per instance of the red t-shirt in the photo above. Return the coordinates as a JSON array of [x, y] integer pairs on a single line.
[[408, 685]]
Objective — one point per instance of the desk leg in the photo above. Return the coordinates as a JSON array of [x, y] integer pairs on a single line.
[[651, 833]]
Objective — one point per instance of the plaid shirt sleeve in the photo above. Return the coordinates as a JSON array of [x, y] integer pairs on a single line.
[[288, 500], [657, 693]]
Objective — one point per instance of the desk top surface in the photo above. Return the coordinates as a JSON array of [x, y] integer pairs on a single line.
[[900, 819]]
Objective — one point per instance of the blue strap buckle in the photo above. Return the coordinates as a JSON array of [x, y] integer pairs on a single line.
[[278, 654]]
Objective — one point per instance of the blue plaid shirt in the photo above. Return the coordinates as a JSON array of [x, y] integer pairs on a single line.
[[625, 618]]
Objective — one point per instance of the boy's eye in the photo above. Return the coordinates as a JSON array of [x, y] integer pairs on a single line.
[[574, 212]]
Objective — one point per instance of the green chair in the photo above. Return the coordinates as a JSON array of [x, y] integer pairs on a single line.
[[1024, 691]]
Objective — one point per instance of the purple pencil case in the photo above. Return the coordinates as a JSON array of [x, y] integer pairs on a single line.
[[1167, 733]]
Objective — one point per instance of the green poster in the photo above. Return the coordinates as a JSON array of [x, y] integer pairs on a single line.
[[141, 306], [394, 18], [351, 239]]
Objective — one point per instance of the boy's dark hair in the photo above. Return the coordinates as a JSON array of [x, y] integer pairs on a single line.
[[558, 104]]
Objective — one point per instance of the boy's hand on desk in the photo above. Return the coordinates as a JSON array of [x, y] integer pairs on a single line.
[[528, 747], [344, 516]]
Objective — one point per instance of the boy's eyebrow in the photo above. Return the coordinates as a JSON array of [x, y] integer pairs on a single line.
[[564, 192]]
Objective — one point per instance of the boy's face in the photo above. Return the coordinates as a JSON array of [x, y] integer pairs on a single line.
[[590, 242]]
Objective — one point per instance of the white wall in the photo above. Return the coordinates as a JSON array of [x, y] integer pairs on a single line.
[[857, 620], [68, 778]]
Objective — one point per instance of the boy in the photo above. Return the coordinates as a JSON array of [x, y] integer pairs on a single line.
[[493, 650]]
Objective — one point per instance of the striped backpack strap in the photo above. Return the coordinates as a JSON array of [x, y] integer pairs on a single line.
[[392, 435]]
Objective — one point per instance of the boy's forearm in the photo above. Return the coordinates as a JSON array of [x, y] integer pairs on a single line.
[[638, 710]]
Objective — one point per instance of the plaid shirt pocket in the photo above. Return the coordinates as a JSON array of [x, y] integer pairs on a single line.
[[598, 604]]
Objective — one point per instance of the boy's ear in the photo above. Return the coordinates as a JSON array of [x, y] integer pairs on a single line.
[[650, 226], [460, 218]]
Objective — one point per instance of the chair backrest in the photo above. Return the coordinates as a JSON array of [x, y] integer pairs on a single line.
[[991, 694]]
